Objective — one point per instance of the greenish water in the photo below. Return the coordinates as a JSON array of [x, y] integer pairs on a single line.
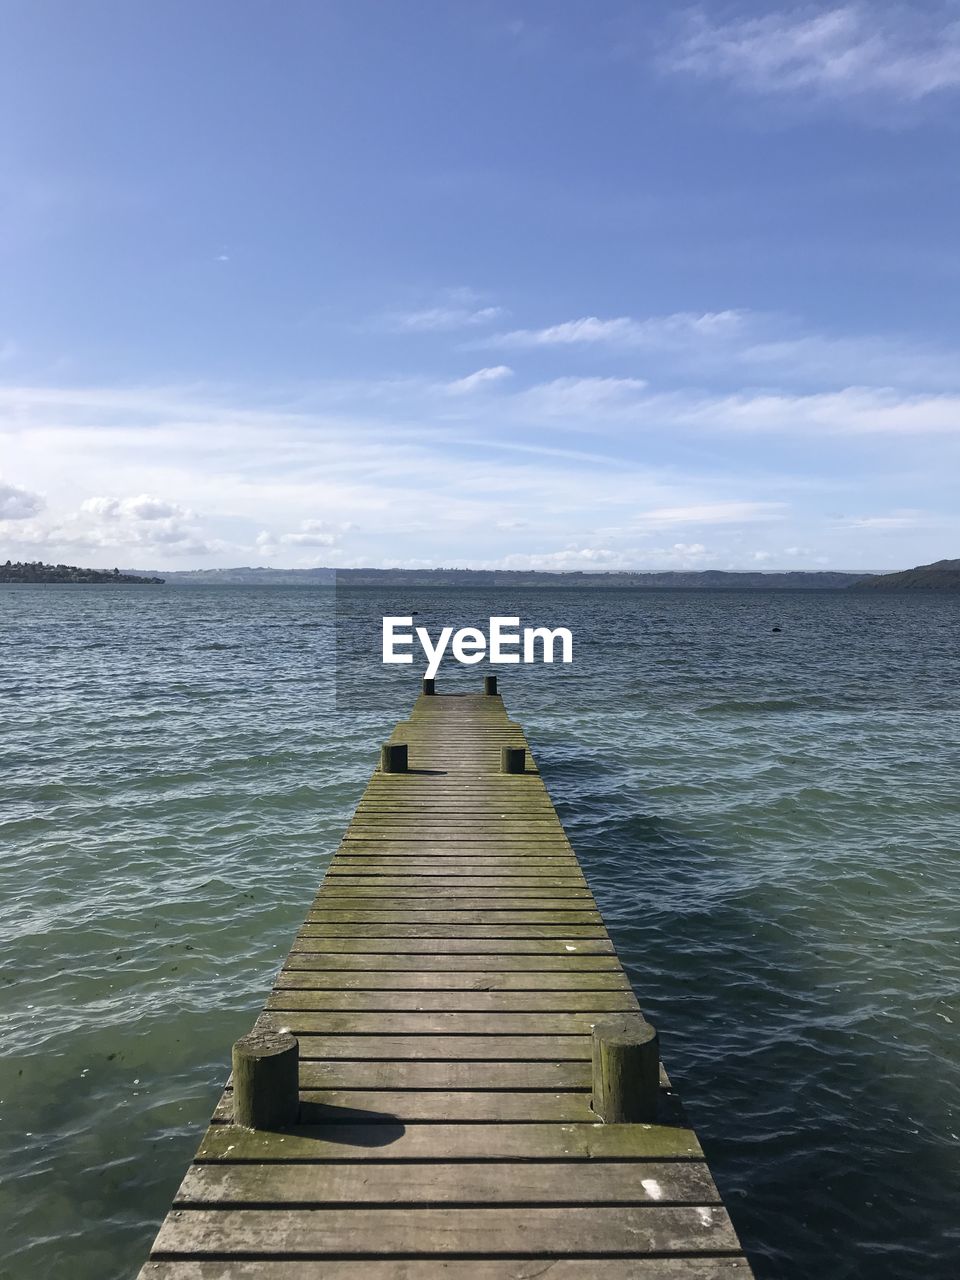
[[769, 820]]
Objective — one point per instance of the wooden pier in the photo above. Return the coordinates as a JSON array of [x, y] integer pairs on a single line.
[[462, 1022]]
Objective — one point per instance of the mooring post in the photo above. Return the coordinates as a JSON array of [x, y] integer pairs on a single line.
[[490, 686], [626, 1070], [429, 686], [393, 757], [513, 760], [266, 1080]]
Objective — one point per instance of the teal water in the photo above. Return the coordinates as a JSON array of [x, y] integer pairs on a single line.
[[769, 820]]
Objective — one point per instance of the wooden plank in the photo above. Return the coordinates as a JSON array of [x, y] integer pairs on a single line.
[[434, 1106], [335, 1023], [392, 942], [479, 913], [453, 931], [414, 1232], [558, 1183], [350, 1143], [296, 976], [408, 1074], [460, 846], [338, 889], [502, 869], [460, 1002], [546, 965], [490, 1048], [514, 874], [581, 1268]]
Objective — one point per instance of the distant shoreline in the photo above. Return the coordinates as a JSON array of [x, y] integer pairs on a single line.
[[944, 574], [60, 575], [515, 578]]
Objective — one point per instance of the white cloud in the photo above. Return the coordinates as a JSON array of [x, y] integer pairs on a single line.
[[592, 559], [311, 533], [595, 559], [853, 411], [440, 319], [767, 348], [897, 51], [139, 524], [624, 331], [482, 378], [17, 503], [579, 397], [882, 524], [699, 466], [142, 507], [712, 513]]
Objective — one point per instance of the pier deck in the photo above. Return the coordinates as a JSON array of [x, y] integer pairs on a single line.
[[443, 990]]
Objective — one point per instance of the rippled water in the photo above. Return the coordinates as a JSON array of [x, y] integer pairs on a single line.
[[769, 821]]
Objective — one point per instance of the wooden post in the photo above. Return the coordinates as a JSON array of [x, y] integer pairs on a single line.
[[393, 757], [429, 686], [513, 760], [490, 686], [266, 1084], [626, 1070]]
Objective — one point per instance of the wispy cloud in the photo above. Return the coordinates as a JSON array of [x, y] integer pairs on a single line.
[[440, 319], [712, 513], [892, 523], [476, 381], [579, 398], [602, 559], [570, 467], [852, 50], [850, 412], [234, 485], [767, 348], [623, 331]]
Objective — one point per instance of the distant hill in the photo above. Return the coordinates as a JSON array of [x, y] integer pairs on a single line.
[[492, 578], [942, 575], [246, 576], [69, 573]]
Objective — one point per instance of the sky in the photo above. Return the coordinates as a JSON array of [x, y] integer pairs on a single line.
[[550, 285]]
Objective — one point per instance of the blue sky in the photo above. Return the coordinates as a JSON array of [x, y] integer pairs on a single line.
[[554, 285]]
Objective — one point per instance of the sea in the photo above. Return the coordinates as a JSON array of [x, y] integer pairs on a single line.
[[762, 787]]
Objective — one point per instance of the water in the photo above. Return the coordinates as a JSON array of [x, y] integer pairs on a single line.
[[769, 821]]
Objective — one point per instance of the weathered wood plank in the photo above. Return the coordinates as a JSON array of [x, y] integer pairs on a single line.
[[452, 931], [290, 997], [489, 1048], [558, 1183], [458, 845], [433, 1106], [580, 1268], [451, 1142], [390, 942], [336, 1023], [479, 915], [407, 1074], [338, 889], [297, 977], [416, 1232], [501, 871], [546, 965]]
